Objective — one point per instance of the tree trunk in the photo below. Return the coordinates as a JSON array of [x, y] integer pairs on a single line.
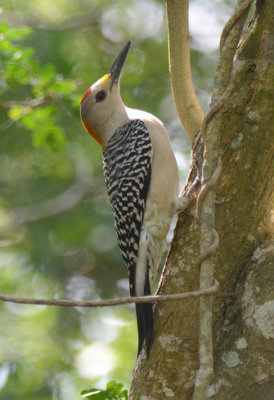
[[243, 310]]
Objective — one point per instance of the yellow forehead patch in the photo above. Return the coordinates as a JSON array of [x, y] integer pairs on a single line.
[[105, 78]]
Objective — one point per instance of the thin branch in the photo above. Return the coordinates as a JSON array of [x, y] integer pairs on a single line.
[[210, 132], [111, 302], [206, 187], [216, 107], [63, 202], [25, 103], [60, 203], [18, 18], [36, 102], [241, 11], [209, 251], [187, 105], [228, 43], [208, 247], [206, 210]]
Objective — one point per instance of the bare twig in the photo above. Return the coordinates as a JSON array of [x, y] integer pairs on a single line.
[[209, 250], [241, 11], [206, 201], [60, 203], [18, 18], [228, 43], [206, 207], [206, 187], [111, 302], [25, 103], [216, 107], [36, 102], [63, 202], [187, 105]]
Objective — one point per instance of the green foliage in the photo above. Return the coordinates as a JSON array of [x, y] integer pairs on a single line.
[[43, 151], [39, 90], [114, 391]]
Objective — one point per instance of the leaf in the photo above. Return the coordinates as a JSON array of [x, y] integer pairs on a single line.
[[14, 33], [23, 76], [113, 392], [114, 388], [17, 112], [45, 131]]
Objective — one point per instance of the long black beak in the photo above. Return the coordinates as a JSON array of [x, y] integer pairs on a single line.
[[117, 66]]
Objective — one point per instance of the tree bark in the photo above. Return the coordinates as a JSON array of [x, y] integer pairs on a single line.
[[244, 307]]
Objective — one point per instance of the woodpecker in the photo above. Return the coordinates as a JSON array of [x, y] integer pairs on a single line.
[[141, 177]]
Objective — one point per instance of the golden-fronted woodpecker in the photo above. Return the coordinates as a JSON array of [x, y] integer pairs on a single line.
[[141, 176]]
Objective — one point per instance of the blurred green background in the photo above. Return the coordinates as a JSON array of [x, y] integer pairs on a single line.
[[57, 238]]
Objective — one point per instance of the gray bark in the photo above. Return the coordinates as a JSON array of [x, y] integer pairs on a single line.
[[243, 316]]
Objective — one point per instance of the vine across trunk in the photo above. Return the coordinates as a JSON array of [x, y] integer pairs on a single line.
[[243, 308]]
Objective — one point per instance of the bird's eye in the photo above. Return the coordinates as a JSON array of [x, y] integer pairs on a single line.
[[100, 96]]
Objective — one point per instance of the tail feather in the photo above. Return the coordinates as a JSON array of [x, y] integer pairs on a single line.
[[145, 326], [144, 313]]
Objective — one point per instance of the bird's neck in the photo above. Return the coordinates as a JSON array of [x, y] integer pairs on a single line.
[[118, 118]]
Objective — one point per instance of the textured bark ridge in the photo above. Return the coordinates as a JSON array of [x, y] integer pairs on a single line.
[[244, 306]]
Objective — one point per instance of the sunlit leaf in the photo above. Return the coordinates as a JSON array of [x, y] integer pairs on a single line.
[[113, 392], [17, 112]]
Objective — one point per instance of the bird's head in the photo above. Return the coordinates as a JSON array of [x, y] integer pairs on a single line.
[[101, 105]]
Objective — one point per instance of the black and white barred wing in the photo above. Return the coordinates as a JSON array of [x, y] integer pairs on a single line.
[[127, 161]]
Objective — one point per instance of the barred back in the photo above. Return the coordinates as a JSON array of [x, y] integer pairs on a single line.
[[127, 162]]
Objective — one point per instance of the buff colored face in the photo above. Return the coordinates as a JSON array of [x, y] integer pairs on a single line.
[[102, 101], [91, 107]]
